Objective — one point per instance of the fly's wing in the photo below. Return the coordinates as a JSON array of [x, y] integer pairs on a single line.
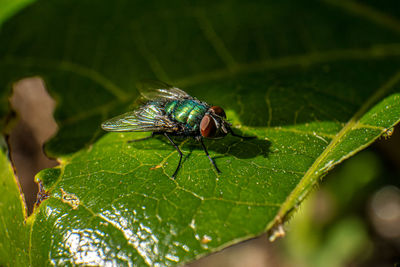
[[147, 118], [151, 90], [150, 117]]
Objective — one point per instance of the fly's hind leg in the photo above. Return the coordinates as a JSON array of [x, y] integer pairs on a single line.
[[144, 138], [180, 154], [208, 155]]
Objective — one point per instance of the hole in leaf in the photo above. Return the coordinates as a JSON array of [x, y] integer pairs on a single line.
[[35, 125]]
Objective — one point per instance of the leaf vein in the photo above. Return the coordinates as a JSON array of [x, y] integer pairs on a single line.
[[378, 51], [214, 39], [72, 67], [368, 12]]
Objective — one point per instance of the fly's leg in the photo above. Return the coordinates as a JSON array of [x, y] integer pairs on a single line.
[[238, 135], [180, 154], [142, 139], [208, 155]]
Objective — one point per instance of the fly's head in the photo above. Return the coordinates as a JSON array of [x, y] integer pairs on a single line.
[[213, 125]]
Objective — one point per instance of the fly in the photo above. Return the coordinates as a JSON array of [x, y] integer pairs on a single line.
[[169, 111]]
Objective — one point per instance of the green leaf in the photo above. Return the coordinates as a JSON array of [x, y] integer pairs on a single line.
[[315, 83], [13, 233]]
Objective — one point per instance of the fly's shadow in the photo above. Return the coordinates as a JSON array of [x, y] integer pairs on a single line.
[[219, 148]]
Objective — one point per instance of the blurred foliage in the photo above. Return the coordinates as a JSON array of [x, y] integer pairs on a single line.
[[333, 226], [10, 7]]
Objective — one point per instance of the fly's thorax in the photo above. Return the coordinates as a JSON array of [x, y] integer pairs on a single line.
[[188, 112]]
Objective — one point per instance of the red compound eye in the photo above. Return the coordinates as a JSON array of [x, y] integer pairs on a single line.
[[219, 111], [207, 126]]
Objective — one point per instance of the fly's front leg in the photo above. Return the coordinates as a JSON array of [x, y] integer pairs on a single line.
[[180, 154], [200, 139], [244, 137]]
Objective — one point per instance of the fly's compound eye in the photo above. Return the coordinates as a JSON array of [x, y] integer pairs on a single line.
[[219, 111], [207, 126]]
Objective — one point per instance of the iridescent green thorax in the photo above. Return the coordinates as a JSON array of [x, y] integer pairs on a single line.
[[189, 112]]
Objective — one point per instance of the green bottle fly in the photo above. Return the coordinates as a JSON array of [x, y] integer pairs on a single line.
[[170, 111]]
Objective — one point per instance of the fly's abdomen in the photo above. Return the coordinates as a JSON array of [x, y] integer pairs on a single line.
[[170, 107], [188, 112]]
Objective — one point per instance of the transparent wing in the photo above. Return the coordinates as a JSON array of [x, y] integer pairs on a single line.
[[147, 118], [159, 90]]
